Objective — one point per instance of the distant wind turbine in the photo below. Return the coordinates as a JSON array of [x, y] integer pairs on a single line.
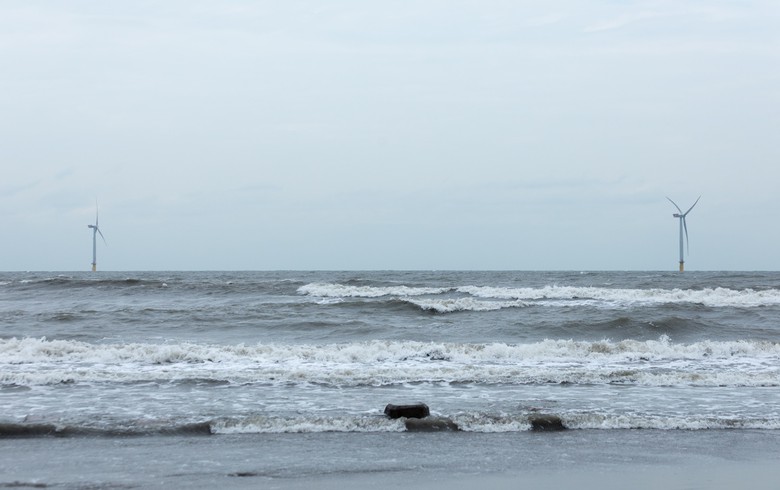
[[683, 226], [95, 231]]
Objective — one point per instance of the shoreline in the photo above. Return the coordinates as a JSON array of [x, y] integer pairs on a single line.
[[583, 459]]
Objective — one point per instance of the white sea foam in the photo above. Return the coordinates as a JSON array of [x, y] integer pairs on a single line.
[[351, 423], [476, 297], [490, 423], [592, 420], [448, 305], [715, 297], [277, 425], [378, 363], [325, 290]]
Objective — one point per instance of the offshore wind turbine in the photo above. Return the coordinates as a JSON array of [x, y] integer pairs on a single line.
[[683, 226], [95, 231]]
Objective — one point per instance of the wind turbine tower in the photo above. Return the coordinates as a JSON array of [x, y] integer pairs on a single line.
[[95, 231], [683, 227]]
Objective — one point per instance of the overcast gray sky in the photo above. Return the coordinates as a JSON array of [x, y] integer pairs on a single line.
[[417, 134]]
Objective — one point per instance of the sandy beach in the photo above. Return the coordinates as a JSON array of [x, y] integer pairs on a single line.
[[754, 475], [587, 460]]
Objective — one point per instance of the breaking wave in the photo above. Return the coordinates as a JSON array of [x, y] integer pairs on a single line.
[[325, 290], [30, 362], [488, 298]]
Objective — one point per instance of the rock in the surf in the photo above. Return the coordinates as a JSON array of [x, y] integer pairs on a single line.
[[24, 430], [416, 411], [431, 424], [542, 422]]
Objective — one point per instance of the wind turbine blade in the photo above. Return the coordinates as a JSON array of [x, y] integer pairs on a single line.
[[675, 205], [101, 235], [687, 243], [694, 204]]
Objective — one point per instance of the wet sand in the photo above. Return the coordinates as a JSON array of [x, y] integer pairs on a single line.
[[754, 475], [586, 460]]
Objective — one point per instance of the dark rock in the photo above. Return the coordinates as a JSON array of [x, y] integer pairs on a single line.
[[25, 430], [433, 424], [542, 422], [195, 429], [417, 411]]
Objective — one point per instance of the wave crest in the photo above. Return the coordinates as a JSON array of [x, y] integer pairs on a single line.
[[488, 298], [28, 362]]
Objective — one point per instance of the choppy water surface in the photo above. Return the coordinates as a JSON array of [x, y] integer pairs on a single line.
[[280, 352]]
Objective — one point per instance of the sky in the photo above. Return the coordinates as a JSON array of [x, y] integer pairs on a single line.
[[419, 134]]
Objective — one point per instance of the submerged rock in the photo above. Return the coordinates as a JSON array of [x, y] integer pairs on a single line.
[[431, 424], [417, 411], [542, 422]]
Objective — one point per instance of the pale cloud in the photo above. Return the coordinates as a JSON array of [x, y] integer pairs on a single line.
[[622, 21], [545, 20], [389, 131], [663, 10]]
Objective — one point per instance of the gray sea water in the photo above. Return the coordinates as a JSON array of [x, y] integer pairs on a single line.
[[204, 379]]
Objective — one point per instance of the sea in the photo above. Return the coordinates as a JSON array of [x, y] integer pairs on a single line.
[[280, 379]]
